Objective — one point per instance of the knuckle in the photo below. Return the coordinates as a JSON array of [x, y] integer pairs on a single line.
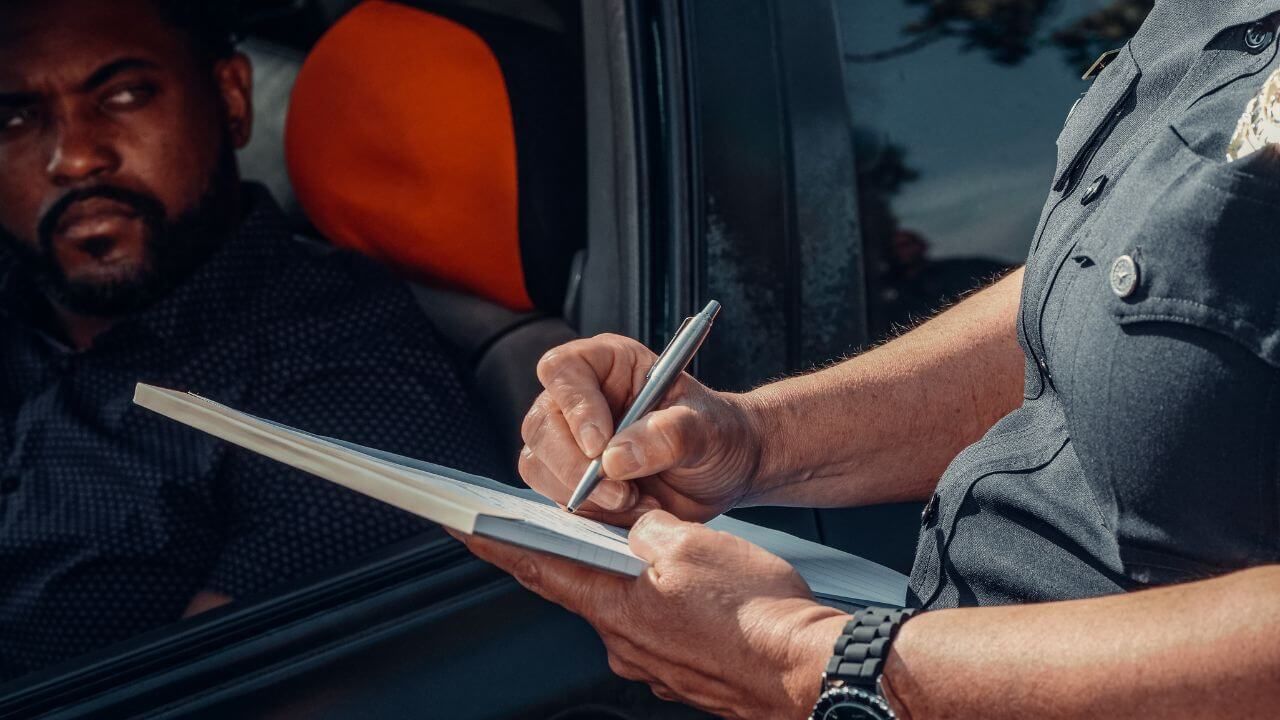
[[641, 525], [670, 435], [527, 463], [686, 543], [556, 361], [552, 359], [618, 344], [534, 418], [620, 667], [579, 409], [526, 573]]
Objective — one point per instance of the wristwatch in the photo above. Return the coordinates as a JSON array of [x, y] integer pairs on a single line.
[[851, 683]]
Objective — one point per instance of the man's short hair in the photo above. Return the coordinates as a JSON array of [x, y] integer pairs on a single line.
[[210, 24]]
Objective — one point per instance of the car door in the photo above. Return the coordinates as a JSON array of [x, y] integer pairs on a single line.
[[720, 165]]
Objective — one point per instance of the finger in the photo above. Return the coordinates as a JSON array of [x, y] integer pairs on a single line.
[[574, 375], [531, 427], [657, 442], [623, 519], [662, 692], [610, 502], [594, 594], [555, 448], [625, 669], [540, 478], [658, 535]]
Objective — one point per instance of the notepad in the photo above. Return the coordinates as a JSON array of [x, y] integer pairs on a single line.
[[477, 505]]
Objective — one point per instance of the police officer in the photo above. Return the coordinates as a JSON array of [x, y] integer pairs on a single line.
[[1104, 424]]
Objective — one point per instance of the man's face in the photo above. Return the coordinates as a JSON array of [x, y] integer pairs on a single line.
[[117, 169]]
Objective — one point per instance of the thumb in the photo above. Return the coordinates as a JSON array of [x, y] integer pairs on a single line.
[[655, 443], [658, 534]]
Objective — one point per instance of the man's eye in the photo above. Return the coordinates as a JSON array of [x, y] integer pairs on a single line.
[[129, 98], [13, 120]]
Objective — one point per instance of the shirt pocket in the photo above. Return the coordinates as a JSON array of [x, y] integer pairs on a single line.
[[1203, 241], [1231, 78]]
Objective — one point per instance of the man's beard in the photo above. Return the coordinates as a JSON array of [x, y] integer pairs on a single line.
[[173, 249]]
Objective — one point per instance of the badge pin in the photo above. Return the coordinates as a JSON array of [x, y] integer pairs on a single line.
[[1100, 64]]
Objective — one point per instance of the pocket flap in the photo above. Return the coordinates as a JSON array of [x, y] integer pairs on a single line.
[[1207, 255]]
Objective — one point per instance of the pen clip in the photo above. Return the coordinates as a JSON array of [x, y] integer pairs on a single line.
[[670, 342]]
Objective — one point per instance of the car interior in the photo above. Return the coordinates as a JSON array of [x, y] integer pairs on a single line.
[[445, 141], [449, 139]]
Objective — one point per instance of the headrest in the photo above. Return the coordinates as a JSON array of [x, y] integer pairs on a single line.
[[400, 143]]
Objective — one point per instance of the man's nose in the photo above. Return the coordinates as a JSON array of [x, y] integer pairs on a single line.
[[80, 153]]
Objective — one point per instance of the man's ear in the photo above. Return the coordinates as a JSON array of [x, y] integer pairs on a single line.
[[234, 76]]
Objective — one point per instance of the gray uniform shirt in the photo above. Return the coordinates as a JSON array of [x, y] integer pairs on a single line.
[[1145, 451]]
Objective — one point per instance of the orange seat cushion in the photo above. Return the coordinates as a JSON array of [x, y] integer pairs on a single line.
[[400, 144]]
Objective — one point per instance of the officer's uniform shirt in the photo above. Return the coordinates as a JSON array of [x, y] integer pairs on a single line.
[[1146, 448]]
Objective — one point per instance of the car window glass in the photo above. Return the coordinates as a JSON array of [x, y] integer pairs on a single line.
[[116, 525], [956, 106]]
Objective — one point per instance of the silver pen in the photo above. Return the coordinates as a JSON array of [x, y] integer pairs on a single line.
[[664, 373]]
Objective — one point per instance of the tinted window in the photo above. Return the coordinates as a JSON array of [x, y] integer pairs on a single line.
[[956, 106]]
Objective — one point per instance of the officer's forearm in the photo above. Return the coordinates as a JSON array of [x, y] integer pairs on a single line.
[[1205, 649], [883, 426]]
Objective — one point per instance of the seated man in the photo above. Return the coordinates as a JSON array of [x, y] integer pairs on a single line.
[[130, 251]]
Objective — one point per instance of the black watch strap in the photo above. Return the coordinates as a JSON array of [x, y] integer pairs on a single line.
[[862, 649]]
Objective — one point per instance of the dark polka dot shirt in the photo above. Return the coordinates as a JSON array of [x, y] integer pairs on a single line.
[[113, 518]]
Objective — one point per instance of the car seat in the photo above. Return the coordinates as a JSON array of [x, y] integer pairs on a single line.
[[450, 156]]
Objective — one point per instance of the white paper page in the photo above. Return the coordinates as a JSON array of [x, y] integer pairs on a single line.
[[831, 573]]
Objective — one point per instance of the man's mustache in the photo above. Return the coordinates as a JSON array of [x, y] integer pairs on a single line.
[[150, 209]]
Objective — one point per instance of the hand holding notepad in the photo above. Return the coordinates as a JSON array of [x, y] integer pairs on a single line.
[[475, 505]]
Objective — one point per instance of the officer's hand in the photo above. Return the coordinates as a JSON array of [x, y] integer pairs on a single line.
[[693, 456], [715, 622]]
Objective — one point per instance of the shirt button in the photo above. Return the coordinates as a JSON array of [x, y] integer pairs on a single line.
[[1124, 276], [1092, 192], [1258, 37], [930, 512]]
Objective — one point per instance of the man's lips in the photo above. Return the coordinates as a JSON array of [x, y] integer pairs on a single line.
[[92, 218]]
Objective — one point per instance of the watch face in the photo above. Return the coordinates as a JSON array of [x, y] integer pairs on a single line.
[[850, 704]]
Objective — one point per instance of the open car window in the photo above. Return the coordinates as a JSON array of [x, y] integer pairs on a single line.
[[536, 48]]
